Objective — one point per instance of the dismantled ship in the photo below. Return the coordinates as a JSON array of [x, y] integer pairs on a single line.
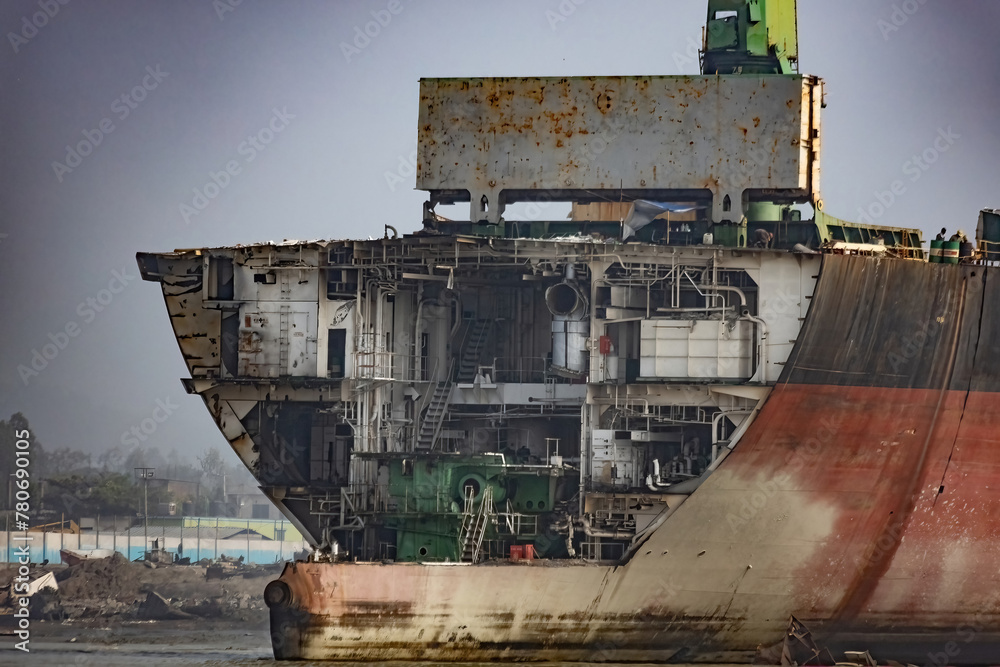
[[600, 439]]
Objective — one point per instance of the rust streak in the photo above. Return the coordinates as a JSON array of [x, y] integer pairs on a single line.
[[870, 574]]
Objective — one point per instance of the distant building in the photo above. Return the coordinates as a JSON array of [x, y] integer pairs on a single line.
[[221, 527], [248, 502], [181, 490]]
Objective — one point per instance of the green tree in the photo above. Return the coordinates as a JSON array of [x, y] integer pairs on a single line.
[[211, 462], [64, 461], [214, 467], [111, 459], [117, 493]]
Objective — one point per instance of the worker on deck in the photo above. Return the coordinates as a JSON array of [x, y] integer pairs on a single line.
[[762, 238], [940, 237]]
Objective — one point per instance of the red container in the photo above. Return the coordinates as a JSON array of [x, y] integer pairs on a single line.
[[529, 552], [605, 344], [516, 552]]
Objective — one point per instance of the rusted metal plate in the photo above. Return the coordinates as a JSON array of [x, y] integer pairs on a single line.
[[502, 138]]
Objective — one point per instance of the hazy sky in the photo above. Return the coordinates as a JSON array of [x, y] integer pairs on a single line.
[[168, 91]]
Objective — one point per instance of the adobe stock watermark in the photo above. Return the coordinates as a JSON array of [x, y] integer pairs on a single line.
[[223, 7], [121, 107], [87, 310], [966, 632], [31, 25], [607, 650], [882, 545], [899, 17], [364, 35], [692, 52], [406, 167], [141, 432], [583, 155], [806, 453], [912, 345], [248, 149], [690, 56], [914, 168], [562, 12], [281, 457], [783, 304]]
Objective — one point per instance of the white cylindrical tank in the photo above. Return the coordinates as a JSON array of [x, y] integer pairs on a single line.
[[577, 332], [570, 325]]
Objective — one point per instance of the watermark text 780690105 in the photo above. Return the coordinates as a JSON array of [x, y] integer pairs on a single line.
[[22, 506]]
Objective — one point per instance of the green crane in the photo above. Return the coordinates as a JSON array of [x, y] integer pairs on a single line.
[[750, 37]]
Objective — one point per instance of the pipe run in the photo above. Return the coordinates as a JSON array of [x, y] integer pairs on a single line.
[[609, 534]]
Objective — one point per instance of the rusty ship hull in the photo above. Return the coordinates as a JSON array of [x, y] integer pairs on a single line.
[[863, 500], [655, 431]]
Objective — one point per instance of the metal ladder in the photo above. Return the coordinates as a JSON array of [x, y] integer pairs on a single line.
[[283, 341], [474, 522]]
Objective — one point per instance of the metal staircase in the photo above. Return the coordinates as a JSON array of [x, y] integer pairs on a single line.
[[474, 523], [434, 417], [479, 331], [437, 407]]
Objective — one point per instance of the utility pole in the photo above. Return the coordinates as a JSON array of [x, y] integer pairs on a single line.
[[146, 474]]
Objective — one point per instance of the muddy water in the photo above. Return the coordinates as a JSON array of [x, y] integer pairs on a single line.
[[168, 644], [140, 643]]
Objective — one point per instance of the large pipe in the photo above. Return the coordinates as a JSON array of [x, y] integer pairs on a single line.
[[610, 534], [567, 525], [653, 481], [565, 299], [570, 324], [456, 299], [718, 418], [761, 342]]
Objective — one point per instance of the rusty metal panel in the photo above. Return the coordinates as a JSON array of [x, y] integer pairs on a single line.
[[198, 331], [892, 323], [502, 138], [276, 340]]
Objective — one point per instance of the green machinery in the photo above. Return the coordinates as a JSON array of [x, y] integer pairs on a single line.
[[435, 505], [750, 37]]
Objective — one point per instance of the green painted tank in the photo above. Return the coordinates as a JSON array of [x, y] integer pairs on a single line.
[[936, 252], [949, 252]]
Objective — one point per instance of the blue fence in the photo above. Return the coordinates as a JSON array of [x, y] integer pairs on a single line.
[[195, 542]]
